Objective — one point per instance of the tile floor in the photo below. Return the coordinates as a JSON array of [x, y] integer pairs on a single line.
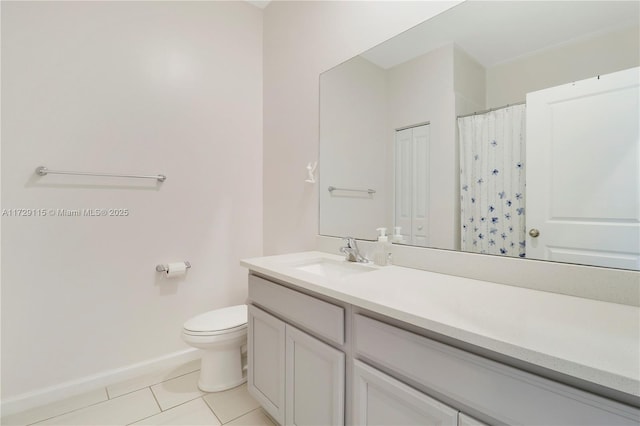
[[165, 398]]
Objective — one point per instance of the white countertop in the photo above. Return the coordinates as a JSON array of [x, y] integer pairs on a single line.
[[588, 339]]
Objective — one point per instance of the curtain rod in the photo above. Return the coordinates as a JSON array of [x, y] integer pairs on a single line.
[[491, 109]]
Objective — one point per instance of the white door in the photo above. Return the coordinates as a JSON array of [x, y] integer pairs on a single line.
[[583, 172], [403, 183], [412, 184]]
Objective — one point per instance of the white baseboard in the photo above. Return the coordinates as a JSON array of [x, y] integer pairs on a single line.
[[65, 390]]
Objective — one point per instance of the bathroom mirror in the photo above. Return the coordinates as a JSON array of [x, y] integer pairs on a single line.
[[465, 133]]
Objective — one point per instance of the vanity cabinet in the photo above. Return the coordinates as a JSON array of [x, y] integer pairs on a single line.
[[300, 347], [297, 378], [480, 386], [379, 399], [464, 420]]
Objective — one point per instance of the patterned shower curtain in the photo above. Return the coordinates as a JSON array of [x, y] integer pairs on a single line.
[[492, 182]]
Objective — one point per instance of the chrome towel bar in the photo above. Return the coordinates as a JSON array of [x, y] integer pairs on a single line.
[[43, 171], [368, 191]]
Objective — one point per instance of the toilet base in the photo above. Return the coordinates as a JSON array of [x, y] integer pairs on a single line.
[[204, 388], [221, 369]]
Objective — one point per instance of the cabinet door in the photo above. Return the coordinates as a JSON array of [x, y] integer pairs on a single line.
[[265, 347], [315, 381], [464, 420], [382, 400]]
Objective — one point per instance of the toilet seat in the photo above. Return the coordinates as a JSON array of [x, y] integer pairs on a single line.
[[214, 332], [221, 321]]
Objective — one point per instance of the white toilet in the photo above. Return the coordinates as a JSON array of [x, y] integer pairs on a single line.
[[222, 336]]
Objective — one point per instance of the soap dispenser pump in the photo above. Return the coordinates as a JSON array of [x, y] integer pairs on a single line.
[[381, 254]]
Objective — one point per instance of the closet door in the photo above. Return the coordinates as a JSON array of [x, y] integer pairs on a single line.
[[404, 183], [420, 142], [412, 184]]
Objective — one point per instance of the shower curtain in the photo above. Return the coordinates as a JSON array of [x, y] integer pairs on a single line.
[[492, 182]]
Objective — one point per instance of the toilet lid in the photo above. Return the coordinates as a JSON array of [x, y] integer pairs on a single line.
[[218, 320]]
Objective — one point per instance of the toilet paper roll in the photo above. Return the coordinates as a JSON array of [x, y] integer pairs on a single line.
[[176, 269]]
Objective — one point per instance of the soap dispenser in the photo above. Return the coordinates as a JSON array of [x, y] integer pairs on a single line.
[[397, 235], [381, 254]]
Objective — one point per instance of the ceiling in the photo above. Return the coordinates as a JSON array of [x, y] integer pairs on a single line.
[[498, 31], [261, 4]]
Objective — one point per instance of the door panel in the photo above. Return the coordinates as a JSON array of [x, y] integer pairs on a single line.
[[404, 183], [420, 185], [412, 184], [583, 171]]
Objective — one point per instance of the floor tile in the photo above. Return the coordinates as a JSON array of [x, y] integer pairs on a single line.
[[151, 379], [231, 403], [56, 408], [255, 418], [177, 391], [118, 411], [193, 413]]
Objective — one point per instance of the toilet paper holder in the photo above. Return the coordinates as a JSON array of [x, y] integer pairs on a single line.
[[165, 268]]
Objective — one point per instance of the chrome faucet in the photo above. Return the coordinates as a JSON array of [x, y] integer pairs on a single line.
[[351, 251]]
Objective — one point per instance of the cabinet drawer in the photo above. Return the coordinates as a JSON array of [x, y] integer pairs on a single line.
[[321, 318], [504, 393]]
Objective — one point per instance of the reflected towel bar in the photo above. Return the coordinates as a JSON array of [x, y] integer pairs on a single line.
[[43, 171], [368, 191]]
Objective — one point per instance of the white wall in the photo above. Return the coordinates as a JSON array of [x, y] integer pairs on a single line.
[[301, 40], [138, 87], [508, 83], [354, 135], [421, 90], [469, 83], [357, 136]]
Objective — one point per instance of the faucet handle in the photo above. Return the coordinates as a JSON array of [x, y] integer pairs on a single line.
[[350, 242], [351, 251]]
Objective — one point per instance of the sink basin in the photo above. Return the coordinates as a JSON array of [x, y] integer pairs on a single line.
[[332, 268]]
